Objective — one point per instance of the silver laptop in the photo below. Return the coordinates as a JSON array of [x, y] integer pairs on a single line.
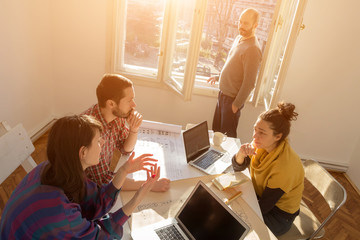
[[203, 216], [200, 154]]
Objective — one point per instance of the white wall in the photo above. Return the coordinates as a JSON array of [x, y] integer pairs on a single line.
[[353, 171], [326, 59], [26, 87], [322, 81], [165, 106], [80, 34]]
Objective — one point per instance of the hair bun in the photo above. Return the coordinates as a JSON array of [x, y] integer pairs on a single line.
[[287, 111]]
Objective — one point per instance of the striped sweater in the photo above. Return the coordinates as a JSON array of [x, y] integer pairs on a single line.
[[36, 211]]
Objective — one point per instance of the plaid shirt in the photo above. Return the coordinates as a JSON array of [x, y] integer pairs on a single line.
[[114, 134]]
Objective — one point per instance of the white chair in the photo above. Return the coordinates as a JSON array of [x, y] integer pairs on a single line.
[[15, 150], [306, 225]]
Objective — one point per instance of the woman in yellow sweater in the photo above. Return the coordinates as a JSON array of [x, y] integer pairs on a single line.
[[276, 170]]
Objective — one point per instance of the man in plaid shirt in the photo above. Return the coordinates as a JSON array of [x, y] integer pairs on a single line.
[[116, 112]]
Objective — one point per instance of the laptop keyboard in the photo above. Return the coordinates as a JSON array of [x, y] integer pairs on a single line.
[[207, 159], [169, 232]]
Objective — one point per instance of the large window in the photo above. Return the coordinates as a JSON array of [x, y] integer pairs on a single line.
[[181, 43]]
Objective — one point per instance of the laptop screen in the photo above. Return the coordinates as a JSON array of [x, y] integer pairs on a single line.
[[196, 140], [205, 218]]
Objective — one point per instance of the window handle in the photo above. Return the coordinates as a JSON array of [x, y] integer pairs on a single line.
[[279, 23]]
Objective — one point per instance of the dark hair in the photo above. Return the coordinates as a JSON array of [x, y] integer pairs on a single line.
[[65, 139], [279, 118], [112, 87]]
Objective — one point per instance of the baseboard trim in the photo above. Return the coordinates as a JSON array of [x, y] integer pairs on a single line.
[[334, 166], [352, 183], [338, 167], [42, 130]]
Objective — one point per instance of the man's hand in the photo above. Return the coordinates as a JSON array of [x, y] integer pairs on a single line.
[[162, 185], [212, 80], [234, 108], [134, 120]]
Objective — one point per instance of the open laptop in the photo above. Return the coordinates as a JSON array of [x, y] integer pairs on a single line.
[[203, 216], [200, 154]]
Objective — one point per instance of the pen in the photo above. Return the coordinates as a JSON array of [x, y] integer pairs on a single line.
[[228, 201]]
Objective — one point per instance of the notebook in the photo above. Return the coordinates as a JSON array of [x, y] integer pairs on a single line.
[[200, 154], [202, 216]]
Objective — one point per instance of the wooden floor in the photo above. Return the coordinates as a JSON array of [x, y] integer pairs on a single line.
[[344, 225]]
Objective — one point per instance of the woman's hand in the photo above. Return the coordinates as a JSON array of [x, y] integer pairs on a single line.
[[144, 162], [152, 176], [140, 163], [245, 150]]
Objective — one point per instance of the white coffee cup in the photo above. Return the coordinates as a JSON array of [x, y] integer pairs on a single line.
[[219, 138]]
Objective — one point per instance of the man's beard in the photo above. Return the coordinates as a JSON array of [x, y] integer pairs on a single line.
[[245, 33], [117, 112]]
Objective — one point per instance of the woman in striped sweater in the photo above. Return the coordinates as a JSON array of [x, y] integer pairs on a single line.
[[56, 201]]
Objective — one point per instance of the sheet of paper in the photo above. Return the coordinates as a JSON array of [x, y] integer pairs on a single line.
[[161, 126]]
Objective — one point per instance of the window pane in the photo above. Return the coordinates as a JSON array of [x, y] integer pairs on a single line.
[[184, 16], [220, 29], [144, 21], [281, 43]]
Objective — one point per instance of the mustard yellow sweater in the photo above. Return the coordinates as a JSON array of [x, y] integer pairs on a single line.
[[280, 168]]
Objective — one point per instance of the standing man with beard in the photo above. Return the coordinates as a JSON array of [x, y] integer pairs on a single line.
[[238, 76], [116, 112]]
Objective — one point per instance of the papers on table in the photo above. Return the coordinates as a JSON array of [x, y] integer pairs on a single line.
[[165, 142]]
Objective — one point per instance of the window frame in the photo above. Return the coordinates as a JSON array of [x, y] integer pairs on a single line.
[[262, 87], [163, 79]]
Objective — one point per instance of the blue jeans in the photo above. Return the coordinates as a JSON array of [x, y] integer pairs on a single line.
[[225, 120]]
